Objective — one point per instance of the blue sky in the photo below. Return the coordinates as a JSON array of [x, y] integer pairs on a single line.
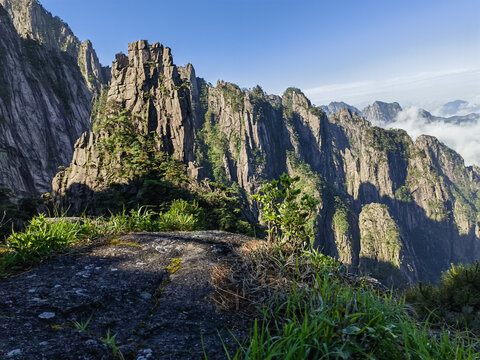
[[422, 52]]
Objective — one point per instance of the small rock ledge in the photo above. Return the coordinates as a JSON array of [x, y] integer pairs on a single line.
[[151, 289]]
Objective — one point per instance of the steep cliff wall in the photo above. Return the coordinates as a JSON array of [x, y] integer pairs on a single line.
[[386, 202], [146, 111], [45, 100], [32, 21]]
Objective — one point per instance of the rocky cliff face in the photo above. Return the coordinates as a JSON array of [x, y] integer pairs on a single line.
[[381, 113], [387, 204], [32, 21], [45, 100], [335, 106], [147, 109]]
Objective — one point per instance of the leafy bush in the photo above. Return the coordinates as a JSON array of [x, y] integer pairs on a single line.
[[455, 299], [286, 211], [141, 219], [403, 194], [340, 217]]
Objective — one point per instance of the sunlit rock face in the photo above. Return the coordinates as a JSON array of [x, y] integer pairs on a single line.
[[32, 21], [381, 113], [398, 209]]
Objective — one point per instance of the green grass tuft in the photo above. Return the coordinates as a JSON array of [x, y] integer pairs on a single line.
[[325, 316], [43, 236]]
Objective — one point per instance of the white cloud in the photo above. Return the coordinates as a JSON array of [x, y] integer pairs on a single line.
[[463, 109], [426, 89], [463, 138]]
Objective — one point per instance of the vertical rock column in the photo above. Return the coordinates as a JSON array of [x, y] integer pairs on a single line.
[[148, 85]]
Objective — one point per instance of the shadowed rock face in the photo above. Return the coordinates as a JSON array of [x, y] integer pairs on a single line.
[[421, 189], [47, 82], [32, 21], [130, 287], [44, 107]]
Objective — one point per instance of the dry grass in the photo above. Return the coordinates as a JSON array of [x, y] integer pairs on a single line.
[[256, 273]]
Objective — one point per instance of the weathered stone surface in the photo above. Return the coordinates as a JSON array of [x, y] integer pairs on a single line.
[[130, 287]]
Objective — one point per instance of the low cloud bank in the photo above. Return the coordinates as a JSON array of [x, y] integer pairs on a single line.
[[458, 108], [463, 137]]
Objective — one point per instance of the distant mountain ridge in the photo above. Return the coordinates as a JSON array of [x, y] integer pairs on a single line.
[[382, 113], [458, 108], [336, 106]]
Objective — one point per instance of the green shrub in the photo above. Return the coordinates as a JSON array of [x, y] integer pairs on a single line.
[[141, 219], [286, 211], [182, 216], [40, 239], [340, 217], [454, 300], [317, 111], [403, 194]]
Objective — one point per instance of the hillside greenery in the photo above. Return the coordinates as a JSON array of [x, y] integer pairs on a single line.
[[44, 236], [320, 312], [454, 301], [307, 305], [143, 174]]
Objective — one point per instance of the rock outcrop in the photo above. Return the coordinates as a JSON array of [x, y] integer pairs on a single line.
[[335, 106], [386, 202], [381, 113], [45, 99], [147, 104], [32, 21], [148, 85], [151, 291]]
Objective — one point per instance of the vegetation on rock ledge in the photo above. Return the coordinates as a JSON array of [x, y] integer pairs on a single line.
[[314, 310]]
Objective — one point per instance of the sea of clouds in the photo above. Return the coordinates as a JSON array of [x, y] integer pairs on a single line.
[[463, 137]]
